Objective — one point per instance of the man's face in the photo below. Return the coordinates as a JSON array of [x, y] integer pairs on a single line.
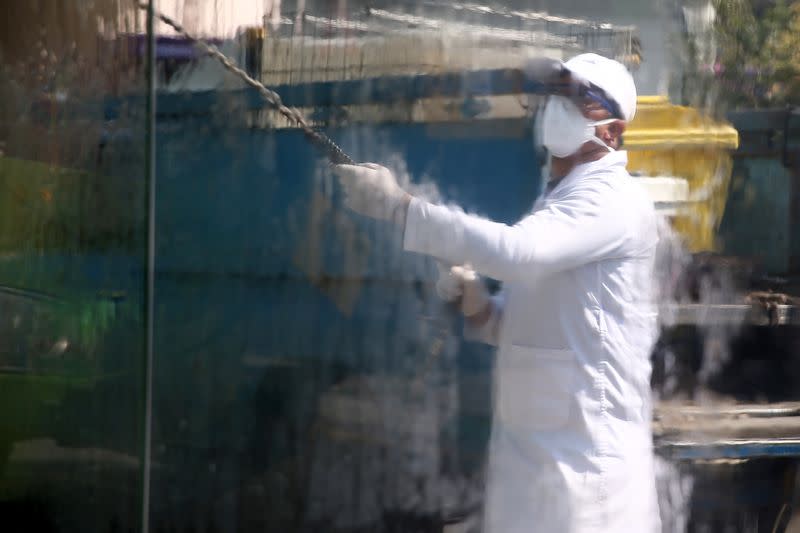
[[608, 133]]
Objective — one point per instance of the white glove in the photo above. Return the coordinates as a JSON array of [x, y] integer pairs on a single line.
[[370, 190], [464, 283]]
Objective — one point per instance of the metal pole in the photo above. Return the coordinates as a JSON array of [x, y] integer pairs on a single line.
[[150, 184]]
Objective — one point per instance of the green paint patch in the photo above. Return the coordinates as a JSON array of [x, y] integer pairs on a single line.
[[48, 208]]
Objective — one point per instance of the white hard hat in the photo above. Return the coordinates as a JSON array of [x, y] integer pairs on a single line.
[[609, 75]]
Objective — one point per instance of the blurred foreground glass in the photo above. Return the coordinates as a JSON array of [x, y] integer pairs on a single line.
[[306, 375], [71, 266]]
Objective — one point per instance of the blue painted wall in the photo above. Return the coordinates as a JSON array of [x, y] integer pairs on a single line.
[[271, 300]]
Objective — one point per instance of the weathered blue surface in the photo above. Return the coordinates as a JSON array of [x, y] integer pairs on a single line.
[[762, 210], [388, 90], [742, 449], [271, 301], [238, 200], [756, 223]]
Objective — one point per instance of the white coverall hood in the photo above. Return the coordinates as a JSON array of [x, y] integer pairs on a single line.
[[609, 75]]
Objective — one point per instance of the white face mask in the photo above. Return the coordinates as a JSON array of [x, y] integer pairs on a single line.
[[564, 129]]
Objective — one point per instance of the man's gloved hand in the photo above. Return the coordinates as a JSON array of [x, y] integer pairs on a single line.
[[461, 282], [370, 190], [545, 70]]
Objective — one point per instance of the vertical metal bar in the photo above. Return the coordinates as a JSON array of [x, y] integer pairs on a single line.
[[150, 184], [792, 165], [790, 159]]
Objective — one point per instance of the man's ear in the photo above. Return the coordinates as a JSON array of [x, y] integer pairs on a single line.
[[614, 131]]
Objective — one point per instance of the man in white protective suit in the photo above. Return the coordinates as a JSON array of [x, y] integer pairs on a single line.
[[571, 445]]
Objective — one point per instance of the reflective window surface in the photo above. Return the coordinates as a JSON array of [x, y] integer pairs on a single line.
[[72, 177], [292, 368]]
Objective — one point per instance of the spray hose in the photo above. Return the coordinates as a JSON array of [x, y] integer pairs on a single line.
[[334, 153]]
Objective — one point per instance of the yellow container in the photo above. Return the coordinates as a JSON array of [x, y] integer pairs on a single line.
[[680, 142]]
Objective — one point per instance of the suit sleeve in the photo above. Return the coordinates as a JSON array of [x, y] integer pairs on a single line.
[[587, 225]]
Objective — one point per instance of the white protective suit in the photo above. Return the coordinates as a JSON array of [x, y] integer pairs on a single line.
[[571, 445]]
